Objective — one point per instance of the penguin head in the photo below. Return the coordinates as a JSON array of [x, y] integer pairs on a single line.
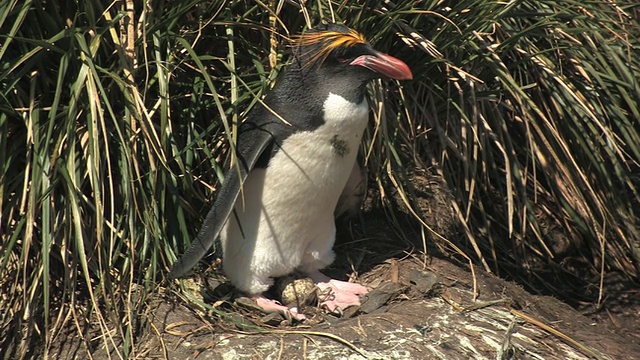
[[336, 50]]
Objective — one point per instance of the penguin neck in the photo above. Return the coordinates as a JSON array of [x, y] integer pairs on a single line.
[[315, 84]]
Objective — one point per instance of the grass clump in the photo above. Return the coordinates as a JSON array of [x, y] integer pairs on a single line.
[[116, 115]]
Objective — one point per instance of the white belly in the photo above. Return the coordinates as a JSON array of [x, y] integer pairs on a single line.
[[286, 216]]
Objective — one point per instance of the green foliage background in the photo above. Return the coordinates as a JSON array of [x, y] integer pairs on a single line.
[[115, 117]]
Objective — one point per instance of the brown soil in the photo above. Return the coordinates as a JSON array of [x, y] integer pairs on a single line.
[[421, 307], [430, 314], [416, 311]]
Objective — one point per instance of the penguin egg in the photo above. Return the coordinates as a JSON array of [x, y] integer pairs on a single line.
[[296, 291]]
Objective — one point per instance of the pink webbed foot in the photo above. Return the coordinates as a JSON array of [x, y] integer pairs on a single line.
[[336, 295], [269, 305]]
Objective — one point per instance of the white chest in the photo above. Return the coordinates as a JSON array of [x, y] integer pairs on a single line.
[[320, 160], [286, 213], [309, 171]]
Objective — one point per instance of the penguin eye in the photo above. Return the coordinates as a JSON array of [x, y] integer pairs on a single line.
[[341, 59]]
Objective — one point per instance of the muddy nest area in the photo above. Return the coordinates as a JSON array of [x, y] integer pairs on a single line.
[[421, 306], [413, 312]]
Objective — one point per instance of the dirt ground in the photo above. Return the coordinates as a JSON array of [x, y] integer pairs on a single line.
[[429, 314], [419, 307], [416, 310]]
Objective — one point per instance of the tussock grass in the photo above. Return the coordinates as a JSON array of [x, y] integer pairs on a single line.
[[116, 117]]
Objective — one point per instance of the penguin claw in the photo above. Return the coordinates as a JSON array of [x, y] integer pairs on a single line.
[[270, 306], [335, 299], [336, 295], [332, 307]]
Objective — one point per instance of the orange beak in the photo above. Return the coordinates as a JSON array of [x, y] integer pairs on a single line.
[[384, 64]]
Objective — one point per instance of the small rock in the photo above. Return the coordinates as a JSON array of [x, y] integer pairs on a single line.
[[379, 296], [273, 319], [350, 312], [423, 280]]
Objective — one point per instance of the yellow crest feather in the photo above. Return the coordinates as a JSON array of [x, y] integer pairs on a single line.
[[327, 41]]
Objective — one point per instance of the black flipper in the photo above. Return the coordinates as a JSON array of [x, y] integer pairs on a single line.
[[251, 145]]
